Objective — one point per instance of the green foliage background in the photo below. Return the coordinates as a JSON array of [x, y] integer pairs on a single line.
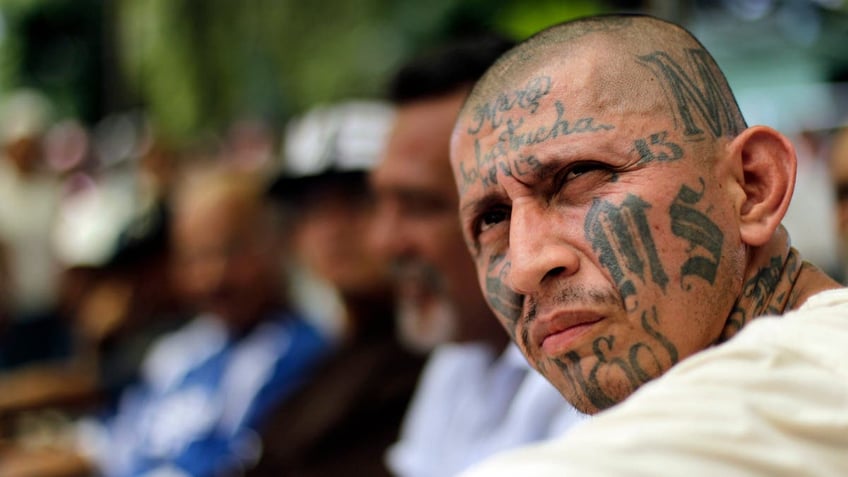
[[194, 65]]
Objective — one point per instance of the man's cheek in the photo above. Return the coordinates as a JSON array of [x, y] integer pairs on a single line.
[[623, 242], [505, 302]]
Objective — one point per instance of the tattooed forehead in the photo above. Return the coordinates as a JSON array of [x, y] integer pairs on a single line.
[[526, 98], [507, 136], [576, 85]]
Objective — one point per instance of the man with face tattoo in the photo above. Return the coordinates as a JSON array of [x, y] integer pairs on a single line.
[[476, 395], [626, 227]]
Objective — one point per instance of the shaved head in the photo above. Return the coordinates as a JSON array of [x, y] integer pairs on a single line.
[[627, 61]]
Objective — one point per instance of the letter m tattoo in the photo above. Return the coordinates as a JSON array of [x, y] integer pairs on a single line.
[[622, 238], [701, 97]]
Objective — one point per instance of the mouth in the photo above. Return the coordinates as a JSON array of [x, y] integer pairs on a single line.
[[416, 281], [556, 334], [414, 291]]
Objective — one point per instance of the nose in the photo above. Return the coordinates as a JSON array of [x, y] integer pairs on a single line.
[[538, 249], [386, 234], [203, 274]]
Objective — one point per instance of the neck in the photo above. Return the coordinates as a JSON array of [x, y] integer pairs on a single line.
[[776, 280], [495, 338]]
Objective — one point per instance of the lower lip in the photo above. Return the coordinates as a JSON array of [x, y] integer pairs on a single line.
[[558, 343]]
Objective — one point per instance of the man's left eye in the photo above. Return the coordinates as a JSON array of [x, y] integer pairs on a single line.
[[581, 169]]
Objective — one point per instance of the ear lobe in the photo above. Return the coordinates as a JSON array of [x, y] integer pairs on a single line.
[[768, 179]]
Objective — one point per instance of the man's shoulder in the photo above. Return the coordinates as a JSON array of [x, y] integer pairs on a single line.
[[835, 298], [286, 339], [818, 328], [460, 355], [817, 331], [290, 322]]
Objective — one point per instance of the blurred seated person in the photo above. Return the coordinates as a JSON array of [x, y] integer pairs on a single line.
[[31, 329], [113, 290], [346, 416], [116, 308], [130, 301], [206, 386], [477, 394], [838, 160]]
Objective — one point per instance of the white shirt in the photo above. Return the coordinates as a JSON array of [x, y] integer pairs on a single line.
[[772, 401], [470, 404], [27, 217]]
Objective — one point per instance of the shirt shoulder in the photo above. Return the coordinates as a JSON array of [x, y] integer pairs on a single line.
[[781, 383]]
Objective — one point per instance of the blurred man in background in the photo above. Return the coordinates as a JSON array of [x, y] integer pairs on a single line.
[[477, 394], [207, 386], [345, 417]]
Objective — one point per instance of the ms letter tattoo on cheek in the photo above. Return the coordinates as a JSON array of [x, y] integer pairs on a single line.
[[621, 235]]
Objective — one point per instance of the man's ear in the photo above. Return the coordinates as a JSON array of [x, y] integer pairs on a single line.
[[768, 165]]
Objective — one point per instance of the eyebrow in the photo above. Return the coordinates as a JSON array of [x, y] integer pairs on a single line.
[[490, 198], [478, 206], [551, 167], [539, 177], [555, 163]]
